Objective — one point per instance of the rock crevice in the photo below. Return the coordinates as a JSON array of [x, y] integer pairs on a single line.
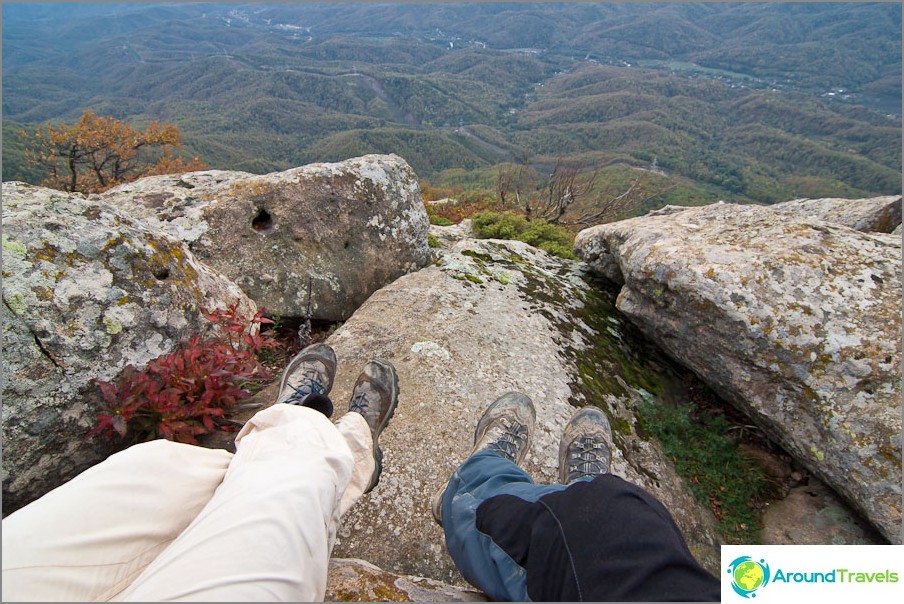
[[795, 320]]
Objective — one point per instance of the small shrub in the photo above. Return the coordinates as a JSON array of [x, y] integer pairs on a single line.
[[433, 241], [455, 212], [557, 249], [431, 193], [721, 476], [493, 225], [552, 238], [440, 220], [180, 394], [477, 197], [555, 239]]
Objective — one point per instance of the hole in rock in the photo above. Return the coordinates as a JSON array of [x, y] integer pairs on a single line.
[[263, 221], [161, 274]]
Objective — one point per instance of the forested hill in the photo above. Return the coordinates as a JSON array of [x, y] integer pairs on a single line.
[[750, 102]]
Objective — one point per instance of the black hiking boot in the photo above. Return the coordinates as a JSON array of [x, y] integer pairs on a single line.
[[308, 378], [585, 450], [375, 396], [506, 427]]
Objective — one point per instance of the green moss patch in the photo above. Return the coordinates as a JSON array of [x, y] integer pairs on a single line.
[[721, 476]]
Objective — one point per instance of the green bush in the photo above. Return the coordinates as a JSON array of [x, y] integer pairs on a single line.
[[440, 220], [721, 475], [552, 238], [493, 225]]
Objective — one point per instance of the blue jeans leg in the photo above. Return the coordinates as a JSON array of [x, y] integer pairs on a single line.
[[483, 563]]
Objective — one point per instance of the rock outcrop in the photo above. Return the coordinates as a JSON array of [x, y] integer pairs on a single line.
[[796, 321], [489, 317], [873, 214], [87, 290], [352, 580], [334, 232], [447, 236], [870, 215]]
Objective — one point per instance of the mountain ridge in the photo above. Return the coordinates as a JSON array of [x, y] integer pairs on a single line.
[[261, 87]]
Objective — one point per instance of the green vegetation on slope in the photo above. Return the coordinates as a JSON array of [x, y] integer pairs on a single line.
[[554, 239], [734, 102], [721, 476]]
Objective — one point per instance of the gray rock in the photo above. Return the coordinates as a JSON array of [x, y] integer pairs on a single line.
[[452, 234], [490, 317], [668, 210], [339, 231], [795, 321], [812, 514], [87, 290], [351, 580], [874, 214]]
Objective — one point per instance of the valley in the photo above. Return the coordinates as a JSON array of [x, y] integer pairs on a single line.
[[755, 103]]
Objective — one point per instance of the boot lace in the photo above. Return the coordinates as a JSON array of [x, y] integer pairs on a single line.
[[309, 385], [587, 458], [511, 440], [360, 402]]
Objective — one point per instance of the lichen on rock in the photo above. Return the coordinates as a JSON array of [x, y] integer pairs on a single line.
[[795, 320], [87, 290], [329, 232], [524, 321]]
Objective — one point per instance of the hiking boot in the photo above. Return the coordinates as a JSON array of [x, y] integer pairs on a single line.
[[375, 396], [308, 379], [505, 427], [437, 506], [585, 450]]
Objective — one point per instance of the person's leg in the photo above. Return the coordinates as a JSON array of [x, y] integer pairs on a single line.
[[267, 532], [597, 539], [91, 537], [307, 381], [375, 396], [501, 441], [358, 436], [602, 540], [482, 562]]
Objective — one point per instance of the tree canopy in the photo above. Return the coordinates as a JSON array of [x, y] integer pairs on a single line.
[[97, 153]]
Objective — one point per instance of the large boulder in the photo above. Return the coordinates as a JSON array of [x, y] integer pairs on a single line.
[[328, 234], [87, 290], [489, 317], [795, 320], [872, 214]]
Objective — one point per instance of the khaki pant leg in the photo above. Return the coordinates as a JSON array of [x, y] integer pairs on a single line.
[[354, 429], [267, 532], [91, 537]]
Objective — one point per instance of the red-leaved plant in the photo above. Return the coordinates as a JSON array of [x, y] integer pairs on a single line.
[[179, 394]]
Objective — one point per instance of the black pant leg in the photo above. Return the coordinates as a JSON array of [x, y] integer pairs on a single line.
[[602, 540]]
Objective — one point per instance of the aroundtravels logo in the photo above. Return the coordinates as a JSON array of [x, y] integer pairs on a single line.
[[748, 575], [812, 573]]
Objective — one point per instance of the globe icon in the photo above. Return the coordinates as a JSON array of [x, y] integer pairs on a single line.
[[748, 575]]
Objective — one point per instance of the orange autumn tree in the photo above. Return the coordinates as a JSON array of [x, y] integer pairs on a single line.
[[98, 153]]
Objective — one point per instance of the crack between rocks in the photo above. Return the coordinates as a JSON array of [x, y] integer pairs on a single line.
[[38, 343]]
